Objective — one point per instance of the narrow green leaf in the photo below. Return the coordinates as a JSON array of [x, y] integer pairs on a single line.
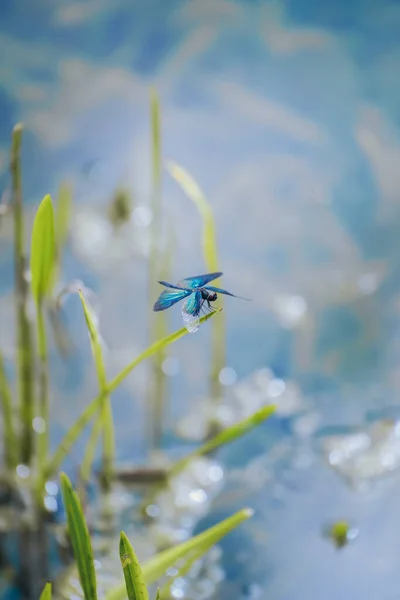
[[84, 419], [155, 567], [134, 581], [46, 593], [226, 436], [158, 595], [42, 249], [194, 193], [95, 344], [80, 539]]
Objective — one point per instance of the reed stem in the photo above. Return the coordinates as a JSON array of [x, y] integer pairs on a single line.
[[25, 356], [10, 443]]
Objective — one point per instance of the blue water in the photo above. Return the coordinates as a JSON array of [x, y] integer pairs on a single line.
[[287, 114]]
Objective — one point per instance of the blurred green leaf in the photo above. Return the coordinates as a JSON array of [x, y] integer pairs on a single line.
[[194, 193], [155, 567], [42, 249], [84, 419], [46, 593], [80, 539], [134, 581], [226, 436]]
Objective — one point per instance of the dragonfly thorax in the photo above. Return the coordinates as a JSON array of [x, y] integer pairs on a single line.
[[210, 296]]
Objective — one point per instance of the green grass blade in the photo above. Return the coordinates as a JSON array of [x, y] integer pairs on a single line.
[[155, 567], [134, 581], [42, 249], [106, 416], [84, 419], [25, 352], [210, 253], [46, 593], [194, 193], [42, 264], [80, 539], [97, 350], [10, 440], [226, 436]]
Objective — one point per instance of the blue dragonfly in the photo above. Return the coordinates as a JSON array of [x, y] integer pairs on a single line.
[[198, 296]]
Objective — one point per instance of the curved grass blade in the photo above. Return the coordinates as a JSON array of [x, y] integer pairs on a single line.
[[226, 436], [105, 421], [84, 419], [46, 593], [210, 252], [97, 350], [155, 567], [80, 539], [134, 581], [42, 249], [195, 194]]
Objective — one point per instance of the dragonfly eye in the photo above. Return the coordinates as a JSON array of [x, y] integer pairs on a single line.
[[212, 296]]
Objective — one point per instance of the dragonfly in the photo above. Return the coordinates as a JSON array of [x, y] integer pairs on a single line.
[[198, 297]]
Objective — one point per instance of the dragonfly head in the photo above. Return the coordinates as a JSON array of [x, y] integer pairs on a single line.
[[210, 296]]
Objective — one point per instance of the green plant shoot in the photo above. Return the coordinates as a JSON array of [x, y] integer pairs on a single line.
[[46, 593], [155, 567], [42, 263], [134, 581], [104, 420], [80, 539], [42, 250]]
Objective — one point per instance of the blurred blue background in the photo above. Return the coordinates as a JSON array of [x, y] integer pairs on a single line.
[[287, 115]]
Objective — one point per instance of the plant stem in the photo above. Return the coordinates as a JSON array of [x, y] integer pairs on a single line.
[[90, 450], [10, 443], [43, 439], [25, 356], [108, 442], [157, 328]]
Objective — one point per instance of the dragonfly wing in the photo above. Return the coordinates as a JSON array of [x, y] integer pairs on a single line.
[[197, 281], [169, 297], [211, 288], [171, 285], [191, 311]]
